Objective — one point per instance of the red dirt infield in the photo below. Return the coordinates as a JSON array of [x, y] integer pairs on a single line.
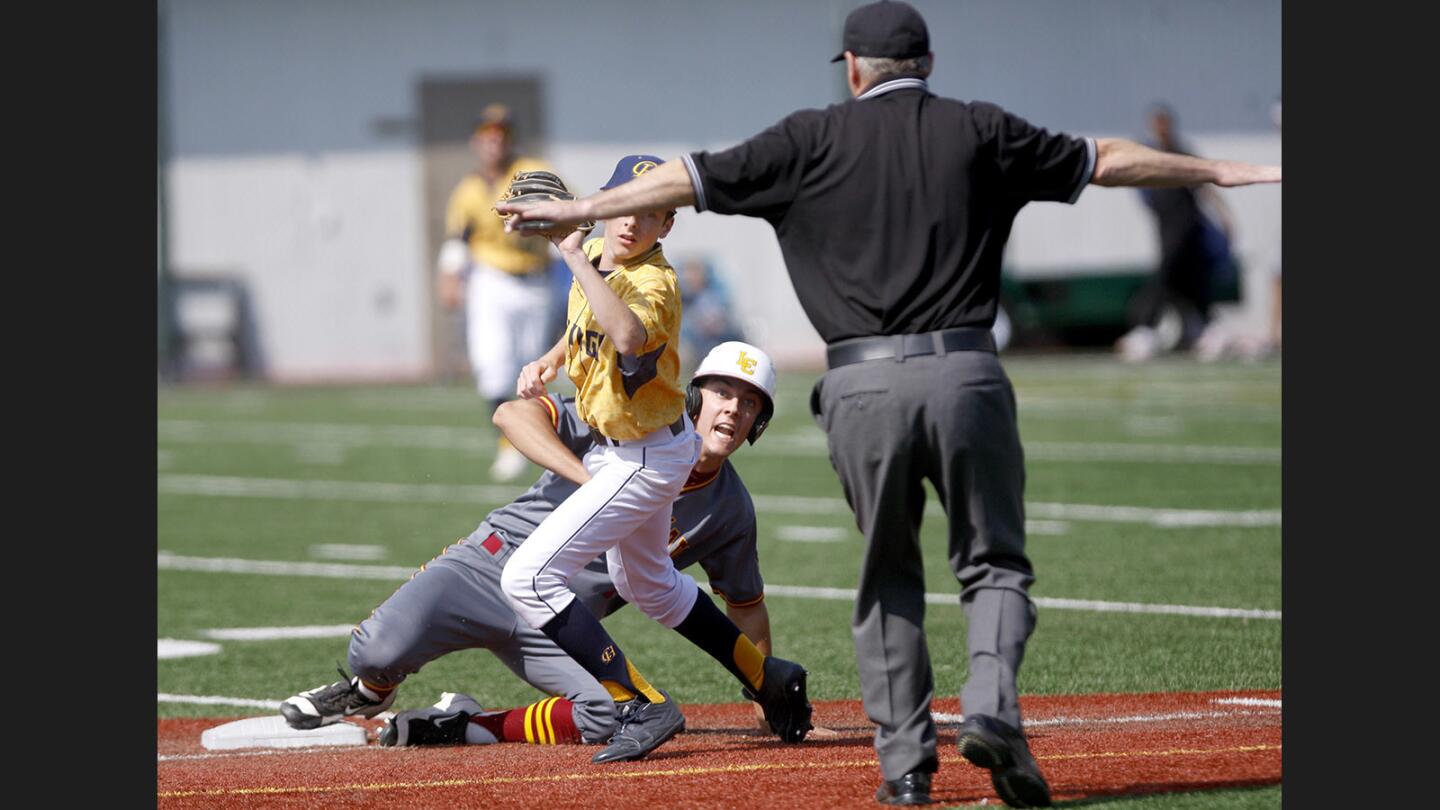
[[1087, 745]]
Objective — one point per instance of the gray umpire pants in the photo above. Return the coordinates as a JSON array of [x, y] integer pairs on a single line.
[[950, 419], [455, 603]]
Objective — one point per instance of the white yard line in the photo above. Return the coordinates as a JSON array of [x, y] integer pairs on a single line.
[[277, 633], [946, 717], [348, 551], [1274, 704], [269, 752], [210, 700], [940, 717], [229, 565], [176, 562], [380, 492], [849, 595], [324, 441], [430, 437]]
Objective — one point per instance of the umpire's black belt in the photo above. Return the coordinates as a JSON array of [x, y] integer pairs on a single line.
[[899, 347], [675, 430]]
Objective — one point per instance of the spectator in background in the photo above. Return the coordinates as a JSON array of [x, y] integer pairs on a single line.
[[1275, 270], [501, 278], [1194, 251], [708, 315]]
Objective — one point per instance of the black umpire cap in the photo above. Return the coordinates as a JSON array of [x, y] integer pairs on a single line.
[[887, 29]]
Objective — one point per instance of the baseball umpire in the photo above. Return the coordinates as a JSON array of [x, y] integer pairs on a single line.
[[455, 602], [892, 210]]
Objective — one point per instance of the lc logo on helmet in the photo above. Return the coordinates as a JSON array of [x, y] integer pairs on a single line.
[[746, 363], [642, 167]]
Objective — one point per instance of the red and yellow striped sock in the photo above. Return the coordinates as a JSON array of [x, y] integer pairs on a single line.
[[547, 722]]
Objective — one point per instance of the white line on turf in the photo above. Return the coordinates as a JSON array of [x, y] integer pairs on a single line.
[[330, 440], [180, 648], [175, 562], [1248, 702], [940, 717], [229, 565], [946, 717], [347, 551], [374, 491], [218, 701], [265, 753], [847, 594], [276, 633]]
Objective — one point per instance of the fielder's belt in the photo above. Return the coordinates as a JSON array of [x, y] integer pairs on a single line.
[[600, 438], [899, 347]]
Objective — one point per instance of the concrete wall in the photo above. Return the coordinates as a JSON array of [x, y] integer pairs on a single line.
[[293, 154]]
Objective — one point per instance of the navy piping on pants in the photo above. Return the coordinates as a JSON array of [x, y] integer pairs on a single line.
[[572, 536]]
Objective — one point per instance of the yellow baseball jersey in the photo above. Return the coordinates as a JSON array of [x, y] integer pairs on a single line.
[[630, 397], [470, 216]]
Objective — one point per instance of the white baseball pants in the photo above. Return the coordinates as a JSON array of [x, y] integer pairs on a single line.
[[623, 511], [507, 318]]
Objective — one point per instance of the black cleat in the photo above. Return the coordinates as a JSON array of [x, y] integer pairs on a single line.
[[994, 744], [782, 696], [912, 788], [324, 705], [442, 724], [643, 727]]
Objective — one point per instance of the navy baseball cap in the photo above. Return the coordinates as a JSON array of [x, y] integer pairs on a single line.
[[887, 29], [629, 168]]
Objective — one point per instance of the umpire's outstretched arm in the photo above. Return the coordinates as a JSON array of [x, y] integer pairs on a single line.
[[662, 188], [1119, 162]]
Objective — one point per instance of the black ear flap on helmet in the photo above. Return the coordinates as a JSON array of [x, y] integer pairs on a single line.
[[761, 421], [692, 401]]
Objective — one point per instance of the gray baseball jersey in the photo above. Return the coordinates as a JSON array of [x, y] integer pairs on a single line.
[[455, 601]]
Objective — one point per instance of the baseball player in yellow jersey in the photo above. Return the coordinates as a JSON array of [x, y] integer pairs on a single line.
[[620, 348], [500, 277]]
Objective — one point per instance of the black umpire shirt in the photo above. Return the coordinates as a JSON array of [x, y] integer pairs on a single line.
[[892, 209]]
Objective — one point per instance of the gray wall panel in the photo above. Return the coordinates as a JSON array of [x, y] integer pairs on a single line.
[[312, 75]]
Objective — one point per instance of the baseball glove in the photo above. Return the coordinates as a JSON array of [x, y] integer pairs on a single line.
[[540, 186]]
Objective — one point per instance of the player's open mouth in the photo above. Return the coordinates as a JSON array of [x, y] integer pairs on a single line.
[[727, 431]]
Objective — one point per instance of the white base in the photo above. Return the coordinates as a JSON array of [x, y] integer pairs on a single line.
[[273, 732]]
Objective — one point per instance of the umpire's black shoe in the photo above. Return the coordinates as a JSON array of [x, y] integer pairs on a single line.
[[782, 696], [644, 726], [1000, 747], [912, 788]]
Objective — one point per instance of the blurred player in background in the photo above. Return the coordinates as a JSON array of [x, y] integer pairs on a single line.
[[501, 278], [1194, 229], [709, 314]]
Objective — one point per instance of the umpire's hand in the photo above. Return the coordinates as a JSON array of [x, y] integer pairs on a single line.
[[562, 213]]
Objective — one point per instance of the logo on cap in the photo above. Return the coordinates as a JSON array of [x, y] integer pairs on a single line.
[[746, 363], [631, 167]]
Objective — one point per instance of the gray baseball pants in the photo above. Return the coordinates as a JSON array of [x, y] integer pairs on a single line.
[[950, 419], [455, 603]]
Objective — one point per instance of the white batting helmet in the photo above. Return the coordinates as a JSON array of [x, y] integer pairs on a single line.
[[738, 361]]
